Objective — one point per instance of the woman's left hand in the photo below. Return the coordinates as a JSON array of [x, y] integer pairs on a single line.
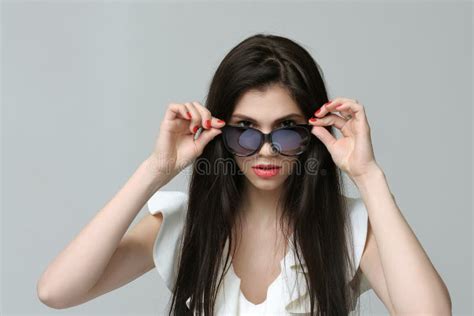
[[353, 152]]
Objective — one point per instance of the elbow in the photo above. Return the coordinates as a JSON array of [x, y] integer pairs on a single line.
[[444, 303], [434, 310], [441, 307], [442, 310], [449, 303], [47, 297], [441, 303]]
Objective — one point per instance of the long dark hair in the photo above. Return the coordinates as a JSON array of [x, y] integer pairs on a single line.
[[313, 203]]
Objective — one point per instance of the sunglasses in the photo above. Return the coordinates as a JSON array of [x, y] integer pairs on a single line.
[[245, 141]]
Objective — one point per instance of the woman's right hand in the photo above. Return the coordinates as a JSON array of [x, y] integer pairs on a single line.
[[175, 147]]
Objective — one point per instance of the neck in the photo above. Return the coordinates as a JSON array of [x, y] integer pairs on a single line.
[[259, 208]]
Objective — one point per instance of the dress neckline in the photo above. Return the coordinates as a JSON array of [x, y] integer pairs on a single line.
[[275, 281]]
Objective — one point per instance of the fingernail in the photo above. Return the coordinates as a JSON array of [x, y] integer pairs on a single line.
[[220, 121], [195, 128], [319, 110], [313, 119], [189, 115], [208, 123]]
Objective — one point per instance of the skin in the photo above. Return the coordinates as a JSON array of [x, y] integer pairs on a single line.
[[261, 239], [106, 255], [261, 193], [394, 261]]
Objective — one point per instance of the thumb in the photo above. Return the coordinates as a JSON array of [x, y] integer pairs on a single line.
[[323, 135], [206, 136]]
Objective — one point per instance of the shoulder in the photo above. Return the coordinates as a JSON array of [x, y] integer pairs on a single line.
[[167, 202], [357, 213], [354, 203], [358, 223], [173, 207]]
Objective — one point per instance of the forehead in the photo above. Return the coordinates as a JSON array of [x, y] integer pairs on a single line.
[[267, 105]]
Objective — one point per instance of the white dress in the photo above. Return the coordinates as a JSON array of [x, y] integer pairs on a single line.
[[286, 295]]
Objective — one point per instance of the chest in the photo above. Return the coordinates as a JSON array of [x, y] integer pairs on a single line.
[[287, 294], [257, 263]]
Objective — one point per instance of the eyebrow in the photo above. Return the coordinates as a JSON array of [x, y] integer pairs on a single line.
[[289, 116]]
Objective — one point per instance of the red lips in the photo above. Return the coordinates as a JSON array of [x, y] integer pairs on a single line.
[[263, 166]]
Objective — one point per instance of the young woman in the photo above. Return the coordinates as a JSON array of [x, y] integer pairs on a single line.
[[265, 227]]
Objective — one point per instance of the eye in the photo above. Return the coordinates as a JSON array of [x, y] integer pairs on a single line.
[[244, 122], [284, 123], [288, 123]]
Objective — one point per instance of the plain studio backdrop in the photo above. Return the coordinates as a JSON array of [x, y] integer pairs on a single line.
[[85, 85]]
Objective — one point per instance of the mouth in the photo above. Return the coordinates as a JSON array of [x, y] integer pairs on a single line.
[[266, 167], [266, 171]]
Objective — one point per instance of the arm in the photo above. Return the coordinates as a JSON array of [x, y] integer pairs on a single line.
[[395, 262], [100, 251]]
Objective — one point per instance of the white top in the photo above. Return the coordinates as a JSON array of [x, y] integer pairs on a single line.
[[287, 294]]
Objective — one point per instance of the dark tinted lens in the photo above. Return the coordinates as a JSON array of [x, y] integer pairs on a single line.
[[241, 141], [291, 140]]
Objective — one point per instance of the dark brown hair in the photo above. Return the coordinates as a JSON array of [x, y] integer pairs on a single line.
[[313, 203]]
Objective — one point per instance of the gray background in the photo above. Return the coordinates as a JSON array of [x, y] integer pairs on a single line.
[[85, 86]]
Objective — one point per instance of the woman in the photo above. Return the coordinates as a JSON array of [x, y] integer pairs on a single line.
[[265, 209]]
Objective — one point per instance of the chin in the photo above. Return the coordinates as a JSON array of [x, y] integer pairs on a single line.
[[268, 184]]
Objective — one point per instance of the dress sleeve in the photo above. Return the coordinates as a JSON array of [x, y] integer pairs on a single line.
[[359, 219], [173, 205]]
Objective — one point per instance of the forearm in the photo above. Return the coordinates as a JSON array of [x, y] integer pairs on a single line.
[[79, 266], [413, 283]]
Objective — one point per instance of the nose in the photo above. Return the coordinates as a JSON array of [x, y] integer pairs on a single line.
[[267, 149]]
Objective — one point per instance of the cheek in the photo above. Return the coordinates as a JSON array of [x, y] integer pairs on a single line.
[[244, 163], [289, 165]]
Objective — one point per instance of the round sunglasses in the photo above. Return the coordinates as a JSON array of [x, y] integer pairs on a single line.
[[245, 141]]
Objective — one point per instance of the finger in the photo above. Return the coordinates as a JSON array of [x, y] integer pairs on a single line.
[[324, 136], [340, 100], [345, 116], [354, 109], [332, 119], [205, 115], [208, 120], [206, 136], [346, 112], [176, 110], [330, 106], [195, 117]]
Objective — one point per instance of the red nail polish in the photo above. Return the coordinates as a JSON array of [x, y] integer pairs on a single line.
[[220, 121], [208, 123], [312, 119], [195, 128], [189, 115], [319, 110]]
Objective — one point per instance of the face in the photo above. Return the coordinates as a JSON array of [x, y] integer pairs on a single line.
[[266, 111]]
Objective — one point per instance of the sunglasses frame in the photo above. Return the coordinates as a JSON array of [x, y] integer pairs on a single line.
[[266, 137]]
